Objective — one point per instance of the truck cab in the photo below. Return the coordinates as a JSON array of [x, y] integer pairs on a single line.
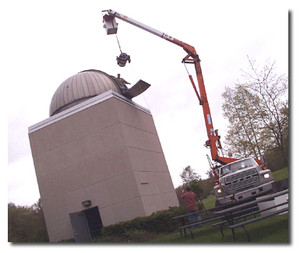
[[242, 180]]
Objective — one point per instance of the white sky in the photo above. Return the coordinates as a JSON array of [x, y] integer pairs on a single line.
[[48, 41]]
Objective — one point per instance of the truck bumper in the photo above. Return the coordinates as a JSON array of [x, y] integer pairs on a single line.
[[247, 194]]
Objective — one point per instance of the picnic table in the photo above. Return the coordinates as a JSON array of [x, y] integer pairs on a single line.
[[234, 213], [186, 225]]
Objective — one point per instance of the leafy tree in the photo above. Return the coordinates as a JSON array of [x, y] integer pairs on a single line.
[[272, 89], [208, 184], [240, 109], [205, 187], [188, 175], [192, 179], [257, 110], [26, 224]]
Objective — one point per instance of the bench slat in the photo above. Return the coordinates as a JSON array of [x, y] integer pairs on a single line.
[[259, 218], [243, 224], [201, 222]]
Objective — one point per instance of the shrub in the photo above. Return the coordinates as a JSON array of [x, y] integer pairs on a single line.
[[26, 224], [158, 222]]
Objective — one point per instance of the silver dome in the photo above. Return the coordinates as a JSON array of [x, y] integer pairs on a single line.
[[80, 87]]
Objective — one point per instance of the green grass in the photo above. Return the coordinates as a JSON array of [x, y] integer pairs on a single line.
[[209, 202], [271, 230], [281, 174]]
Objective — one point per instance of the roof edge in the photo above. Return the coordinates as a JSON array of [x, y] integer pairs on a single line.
[[81, 106]]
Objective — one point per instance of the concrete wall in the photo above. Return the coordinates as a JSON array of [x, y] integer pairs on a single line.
[[105, 150]]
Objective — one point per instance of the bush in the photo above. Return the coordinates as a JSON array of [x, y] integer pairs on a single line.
[[275, 160], [26, 224], [158, 222]]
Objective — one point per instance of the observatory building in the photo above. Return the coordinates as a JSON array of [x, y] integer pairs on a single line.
[[98, 158]]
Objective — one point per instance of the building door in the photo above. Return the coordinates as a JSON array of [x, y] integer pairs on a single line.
[[94, 221], [80, 227], [86, 224]]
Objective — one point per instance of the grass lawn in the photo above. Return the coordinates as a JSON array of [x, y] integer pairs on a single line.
[[271, 230], [281, 174]]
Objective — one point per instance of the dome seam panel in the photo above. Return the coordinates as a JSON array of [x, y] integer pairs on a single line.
[[85, 84]]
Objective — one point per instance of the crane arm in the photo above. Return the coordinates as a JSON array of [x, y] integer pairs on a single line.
[[149, 29], [192, 58]]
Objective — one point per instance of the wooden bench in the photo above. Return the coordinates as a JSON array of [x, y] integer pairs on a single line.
[[232, 214], [243, 224], [237, 215], [199, 223], [182, 219], [254, 212]]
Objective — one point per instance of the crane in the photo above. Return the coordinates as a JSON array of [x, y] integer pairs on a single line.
[[192, 57]]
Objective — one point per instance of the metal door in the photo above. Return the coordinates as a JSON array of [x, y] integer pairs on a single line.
[[80, 227], [94, 221]]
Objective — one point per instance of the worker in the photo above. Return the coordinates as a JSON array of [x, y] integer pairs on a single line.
[[121, 82], [190, 201]]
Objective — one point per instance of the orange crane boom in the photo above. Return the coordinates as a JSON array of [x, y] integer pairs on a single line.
[[192, 57]]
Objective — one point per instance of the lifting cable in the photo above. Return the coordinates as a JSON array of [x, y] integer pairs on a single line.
[[118, 43], [187, 71]]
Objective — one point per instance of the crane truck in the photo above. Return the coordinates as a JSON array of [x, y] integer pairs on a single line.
[[236, 179]]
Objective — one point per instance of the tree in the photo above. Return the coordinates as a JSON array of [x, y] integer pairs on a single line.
[[192, 179], [257, 110], [208, 183], [188, 175], [272, 89], [240, 109], [26, 224]]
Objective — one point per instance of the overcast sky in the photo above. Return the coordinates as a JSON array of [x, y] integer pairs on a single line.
[[49, 41]]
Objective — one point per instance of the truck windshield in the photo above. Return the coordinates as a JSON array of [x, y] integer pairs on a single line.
[[232, 167]]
